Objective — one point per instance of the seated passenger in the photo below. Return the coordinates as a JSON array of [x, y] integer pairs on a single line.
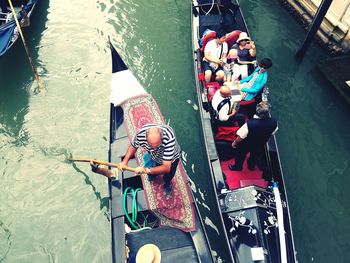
[[254, 83], [246, 52], [231, 69], [226, 107], [215, 53], [252, 137]]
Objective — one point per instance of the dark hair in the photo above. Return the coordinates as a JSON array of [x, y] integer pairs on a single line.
[[220, 33], [266, 63]]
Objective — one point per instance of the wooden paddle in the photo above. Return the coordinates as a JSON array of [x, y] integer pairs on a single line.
[[115, 165]]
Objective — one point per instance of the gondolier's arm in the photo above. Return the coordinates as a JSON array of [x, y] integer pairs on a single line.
[[236, 142], [129, 153]]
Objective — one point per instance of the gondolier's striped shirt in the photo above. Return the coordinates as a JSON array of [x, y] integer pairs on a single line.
[[169, 150]]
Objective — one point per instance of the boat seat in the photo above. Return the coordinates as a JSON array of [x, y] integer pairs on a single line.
[[232, 37], [226, 133], [212, 22], [166, 238]]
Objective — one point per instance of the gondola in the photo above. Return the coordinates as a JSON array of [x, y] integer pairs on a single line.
[[253, 204], [8, 29], [136, 219]]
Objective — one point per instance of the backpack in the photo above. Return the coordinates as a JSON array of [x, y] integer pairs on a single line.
[[221, 104]]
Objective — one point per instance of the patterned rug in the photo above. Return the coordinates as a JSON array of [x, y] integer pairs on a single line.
[[175, 210]]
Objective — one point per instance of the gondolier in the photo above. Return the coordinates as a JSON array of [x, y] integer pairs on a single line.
[[252, 137], [162, 148]]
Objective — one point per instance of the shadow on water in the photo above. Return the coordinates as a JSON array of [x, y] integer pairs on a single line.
[[313, 137], [4, 250], [16, 75], [104, 201]]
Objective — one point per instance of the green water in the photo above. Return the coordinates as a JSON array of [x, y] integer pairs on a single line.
[[51, 211]]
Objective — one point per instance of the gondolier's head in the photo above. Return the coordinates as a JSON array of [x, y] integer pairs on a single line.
[[220, 36], [263, 110], [154, 137]]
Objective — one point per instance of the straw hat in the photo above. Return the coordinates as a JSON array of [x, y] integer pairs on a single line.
[[243, 36], [148, 253]]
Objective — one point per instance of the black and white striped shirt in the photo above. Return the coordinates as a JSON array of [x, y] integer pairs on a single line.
[[169, 150]]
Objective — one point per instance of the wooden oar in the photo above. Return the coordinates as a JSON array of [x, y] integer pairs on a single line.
[[127, 168], [41, 88]]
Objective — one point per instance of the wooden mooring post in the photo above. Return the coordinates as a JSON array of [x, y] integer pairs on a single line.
[[314, 26]]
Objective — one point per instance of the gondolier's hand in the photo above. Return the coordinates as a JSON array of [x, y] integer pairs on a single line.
[[140, 170], [94, 166], [121, 166], [234, 145]]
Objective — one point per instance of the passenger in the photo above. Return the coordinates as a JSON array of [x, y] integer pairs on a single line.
[[254, 83], [246, 52], [252, 137], [215, 53], [231, 69], [162, 148], [226, 107]]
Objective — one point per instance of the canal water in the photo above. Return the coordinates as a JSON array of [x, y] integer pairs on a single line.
[[52, 211]]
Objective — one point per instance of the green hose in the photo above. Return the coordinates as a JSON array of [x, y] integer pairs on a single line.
[[134, 206]]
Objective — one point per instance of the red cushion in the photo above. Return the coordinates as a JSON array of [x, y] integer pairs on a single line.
[[212, 87], [232, 37], [201, 76], [226, 133], [209, 36]]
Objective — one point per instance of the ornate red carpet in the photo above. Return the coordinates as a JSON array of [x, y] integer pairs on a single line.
[[175, 210]]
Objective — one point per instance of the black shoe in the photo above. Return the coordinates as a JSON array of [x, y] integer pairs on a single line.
[[151, 177], [168, 188], [234, 168]]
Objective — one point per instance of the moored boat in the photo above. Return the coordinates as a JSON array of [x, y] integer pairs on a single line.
[[141, 214], [9, 32], [253, 203]]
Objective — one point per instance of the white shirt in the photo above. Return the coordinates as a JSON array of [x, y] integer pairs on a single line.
[[243, 131], [214, 50], [224, 111]]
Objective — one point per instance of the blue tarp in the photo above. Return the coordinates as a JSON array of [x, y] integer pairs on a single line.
[[5, 36], [6, 30]]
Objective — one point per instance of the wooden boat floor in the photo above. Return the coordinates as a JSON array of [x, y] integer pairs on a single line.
[[174, 244]]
